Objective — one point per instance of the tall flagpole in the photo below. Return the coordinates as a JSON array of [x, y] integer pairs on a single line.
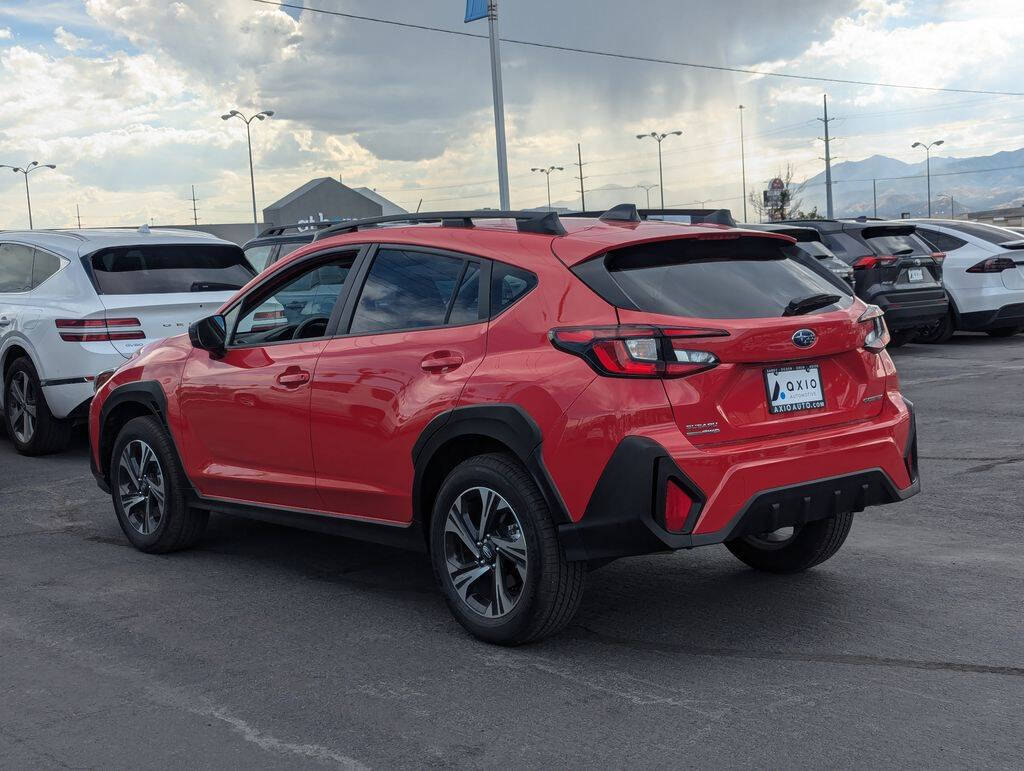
[[499, 104]]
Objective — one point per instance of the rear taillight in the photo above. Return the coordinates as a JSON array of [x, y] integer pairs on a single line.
[[99, 330], [877, 336], [638, 351], [269, 320], [873, 260], [938, 257], [993, 265]]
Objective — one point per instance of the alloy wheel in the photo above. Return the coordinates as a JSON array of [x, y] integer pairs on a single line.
[[22, 405], [141, 486], [485, 552]]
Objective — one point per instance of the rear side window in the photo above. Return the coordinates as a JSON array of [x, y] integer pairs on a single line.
[[508, 284], [15, 268], [738, 279], [167, 268], [407, 290], [44, 265], [941, 241], [990, 233]]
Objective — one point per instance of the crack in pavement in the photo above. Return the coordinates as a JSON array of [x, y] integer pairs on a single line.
[[821, 658]]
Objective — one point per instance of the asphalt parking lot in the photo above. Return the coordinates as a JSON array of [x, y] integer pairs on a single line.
[[267, 647]]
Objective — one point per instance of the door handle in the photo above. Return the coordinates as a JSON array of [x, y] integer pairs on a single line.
[[293, 377], [441, 361]]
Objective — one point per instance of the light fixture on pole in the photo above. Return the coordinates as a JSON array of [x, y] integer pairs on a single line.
[[743, 164], [928, 166], [647, 189], [248, 135], [34, 166], [547, 173], [659, 138]]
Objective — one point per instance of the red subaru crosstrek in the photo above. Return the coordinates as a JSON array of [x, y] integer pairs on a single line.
[[524, 396]]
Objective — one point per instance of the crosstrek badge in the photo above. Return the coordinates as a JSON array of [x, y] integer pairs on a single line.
[[793, 389]]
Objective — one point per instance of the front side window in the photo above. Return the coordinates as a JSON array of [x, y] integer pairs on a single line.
[[15, 268], [298, 309], [170, 268], [409, 290]]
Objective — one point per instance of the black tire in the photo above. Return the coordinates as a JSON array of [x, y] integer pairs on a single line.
[[178, 526], [1003, 331], [939, 332], [543, 601], [810, 545], [46, 434]]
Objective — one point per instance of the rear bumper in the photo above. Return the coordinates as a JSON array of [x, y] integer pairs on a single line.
[[626, 512], [1006, 316], [911, 308]]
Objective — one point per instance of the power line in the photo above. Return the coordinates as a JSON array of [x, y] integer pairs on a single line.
[[632, 57]]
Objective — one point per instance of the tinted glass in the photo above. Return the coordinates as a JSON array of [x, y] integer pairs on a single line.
[[259, 256], [814, 249], [44, 265], [990, 233], [171, 268], [466, 306], [941, 241], [299, 309], [287, 249], [406, 290], [717, 279], [909, 244], [15, 268], [508, 284], [844, 246]]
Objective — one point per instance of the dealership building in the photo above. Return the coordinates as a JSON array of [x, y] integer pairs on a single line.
[[324, 198]]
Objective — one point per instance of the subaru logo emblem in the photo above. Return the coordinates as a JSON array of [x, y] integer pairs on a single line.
[[804, 338]]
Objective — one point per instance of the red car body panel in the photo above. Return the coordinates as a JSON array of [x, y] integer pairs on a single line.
[[341, 443]]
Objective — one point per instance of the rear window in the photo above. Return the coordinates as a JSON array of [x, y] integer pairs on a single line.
[[163, 269], [815, 249], [898, 244], [738, 279]]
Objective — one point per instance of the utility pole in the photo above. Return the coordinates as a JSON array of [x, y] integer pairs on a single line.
[[874, 194], [743, 164], [579, 163], [647, 189], [828, 160], [78, 214], [195, 213]]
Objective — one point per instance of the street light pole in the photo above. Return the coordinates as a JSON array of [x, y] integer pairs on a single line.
[[647, 189], [34, 166], [743, 164], [952, 204], [248, 136], [547, 173], [659, 138], [928, 166]]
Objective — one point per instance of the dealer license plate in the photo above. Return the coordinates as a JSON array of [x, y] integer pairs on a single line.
[[792, 389]]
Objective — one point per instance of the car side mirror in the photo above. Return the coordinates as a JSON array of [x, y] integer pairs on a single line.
[[209, 334]]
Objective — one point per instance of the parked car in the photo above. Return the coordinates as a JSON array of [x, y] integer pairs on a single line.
[[892, 268], [274, 243], [74, 303], [812, 250], [983, 274], [525, 397]]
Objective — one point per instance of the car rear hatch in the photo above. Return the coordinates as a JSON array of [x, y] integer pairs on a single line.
[[155, 291], [899, 258], [1013, 250], [780, 366]]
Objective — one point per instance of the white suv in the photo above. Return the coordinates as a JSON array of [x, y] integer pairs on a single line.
[[984, 276], [75, 303]]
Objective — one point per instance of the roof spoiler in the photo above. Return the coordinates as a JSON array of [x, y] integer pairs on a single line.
[[543, 222]]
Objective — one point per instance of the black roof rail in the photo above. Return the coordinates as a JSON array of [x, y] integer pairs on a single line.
[[697, 216], [278, 230], [543, 222]]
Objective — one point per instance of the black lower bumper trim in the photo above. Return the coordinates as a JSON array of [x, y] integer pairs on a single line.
[[979, 321]]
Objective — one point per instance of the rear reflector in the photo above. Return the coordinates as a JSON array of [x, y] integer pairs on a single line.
[[677, 507], [99, 330], [637, 350]]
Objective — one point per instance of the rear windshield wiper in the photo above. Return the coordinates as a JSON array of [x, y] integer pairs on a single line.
[[808, 304], [213, 286], [903, 252]]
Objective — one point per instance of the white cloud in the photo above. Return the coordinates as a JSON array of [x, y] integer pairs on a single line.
[[5, 33], [69, 41]]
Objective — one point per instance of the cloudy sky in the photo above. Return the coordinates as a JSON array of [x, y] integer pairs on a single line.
[[125, 96]]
